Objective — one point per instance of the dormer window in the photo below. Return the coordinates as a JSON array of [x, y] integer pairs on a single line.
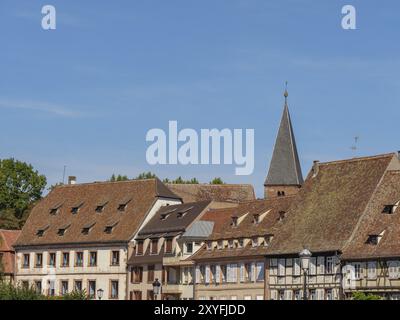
[[164, 216], [220, 244], [41, 231], [234, 222], [281, 193], [374, 239], [100, 207], [122, 207], [241, 243], [61, 231], [390, 208], [75, 209], [256, 218], [282, 215], [254, 242], [209, 245], [230, 244], [86, 229], [154, 246], [139, 248], [182, 213], [110, 227], [54, 210]]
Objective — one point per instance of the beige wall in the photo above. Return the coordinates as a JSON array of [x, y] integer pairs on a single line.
[[103, 273], [236, 283]]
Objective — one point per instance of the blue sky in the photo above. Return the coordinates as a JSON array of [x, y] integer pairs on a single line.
[[85, 94]]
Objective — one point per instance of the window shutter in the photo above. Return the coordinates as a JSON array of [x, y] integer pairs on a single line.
[[260, 271], [207, 274], [218, 273], [296, 267], [321, 265], [313, 267], [197, 274], [242, 272]]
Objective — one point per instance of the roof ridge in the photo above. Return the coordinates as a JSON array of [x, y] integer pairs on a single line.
[[104, 182], [384, 155]]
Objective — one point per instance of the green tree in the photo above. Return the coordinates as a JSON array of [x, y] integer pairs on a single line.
[[145, 175], [217, 181], [365, 296], [20, 186], [118, 178]]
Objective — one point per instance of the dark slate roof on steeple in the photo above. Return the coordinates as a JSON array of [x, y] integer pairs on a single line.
[[285, 167]]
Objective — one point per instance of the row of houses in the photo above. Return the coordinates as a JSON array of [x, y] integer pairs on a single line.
[[322, 238]]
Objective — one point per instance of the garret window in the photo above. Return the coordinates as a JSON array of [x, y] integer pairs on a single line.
[[390, 208], [374, 239], [123, 204], [154, 246], [55, 209], [282, 215], [75, 208], [100, 207], [110, 227], [42, 230], [61, 231], [234, 222], [182, 213], [256, 218], [86, 228]]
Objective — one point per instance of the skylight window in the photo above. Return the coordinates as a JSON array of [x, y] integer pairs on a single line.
[[122, 207], [234, 222], [374, 239], [110, 227], [41, 231], [256, 218], [54, 210], [75, 208], [86, 229]]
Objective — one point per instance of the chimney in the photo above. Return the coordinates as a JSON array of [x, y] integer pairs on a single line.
[[315, 168], [71, 180]]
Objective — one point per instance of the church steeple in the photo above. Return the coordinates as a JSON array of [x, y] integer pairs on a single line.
[[284, 174]]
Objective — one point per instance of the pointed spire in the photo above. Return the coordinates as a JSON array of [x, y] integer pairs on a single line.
[[285, 169]]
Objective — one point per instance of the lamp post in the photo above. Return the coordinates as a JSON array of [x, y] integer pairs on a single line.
[[156, 288], [305, 256], [100, 293]]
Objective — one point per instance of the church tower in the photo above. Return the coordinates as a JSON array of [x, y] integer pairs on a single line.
[[284, 174]]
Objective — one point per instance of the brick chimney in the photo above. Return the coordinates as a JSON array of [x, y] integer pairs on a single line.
[[71, 180]]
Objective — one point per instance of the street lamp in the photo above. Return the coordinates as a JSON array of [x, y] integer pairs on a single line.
[[100, 293], [305, 256], [156, 288]]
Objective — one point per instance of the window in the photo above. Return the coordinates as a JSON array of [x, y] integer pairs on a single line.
[[297, 295], [164, 216], [329, 265], [108, 229], [75, 209], [154, 246], [389, 209], [139, 250], [41, 231], [241, 243], [313, 294], [114, 289], [296, 267], [282, 215], [168, 245], [150, 273], [232, 273], [38, 286], [64, 287], [137, 295], [281, 294], [78, 285], [53, 211], [65, 259], [281, 193], [256, 218], [122, 207], [328, 294], [52, 259], [260, 271], [136, 274], [234, 221], [25, 285], [51, 290], [92, 289], [25, 263], [114, 258], [373, 239], [371, 267], [357, 271], [39, 260], [86, 229], [150, 295], [100, 208], [79, 259], [189, 247], [248, 272], [393, 267], [62, 230], [92, 258], [281, 267], [313, 266]]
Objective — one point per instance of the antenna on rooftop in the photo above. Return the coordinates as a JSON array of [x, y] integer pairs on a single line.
[[354, 146]]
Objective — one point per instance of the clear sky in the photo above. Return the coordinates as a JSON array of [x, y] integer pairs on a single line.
[[85, 94]]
